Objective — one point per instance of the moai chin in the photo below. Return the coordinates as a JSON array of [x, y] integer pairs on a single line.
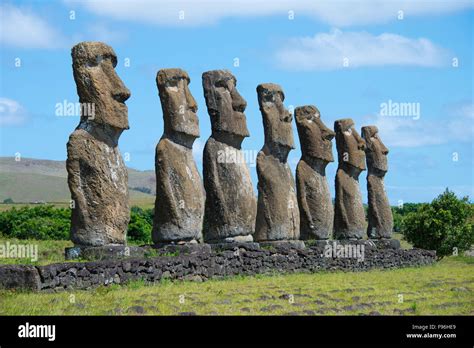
[[179, 204], [277, 208], [314, 197], [349, 215], [97, 176], [379, 212], [230, 207]]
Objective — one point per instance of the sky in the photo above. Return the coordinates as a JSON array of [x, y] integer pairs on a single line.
[[404, 66]]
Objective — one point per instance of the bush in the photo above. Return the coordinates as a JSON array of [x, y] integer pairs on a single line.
[[397, 221], [444, 225], [41, 222], [140, 226], [47, 222]]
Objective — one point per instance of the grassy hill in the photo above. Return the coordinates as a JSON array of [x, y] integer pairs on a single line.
[[33, 180]]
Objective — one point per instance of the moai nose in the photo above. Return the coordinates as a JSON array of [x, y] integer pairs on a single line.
[[327, 133], [238, 102], [192, 104], [120, 92]]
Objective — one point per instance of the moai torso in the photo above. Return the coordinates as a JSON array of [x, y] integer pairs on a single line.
[[179, 204], [97, 176], [230, 207], [314, 197], [379, 212], [277, 208], [349, 215]]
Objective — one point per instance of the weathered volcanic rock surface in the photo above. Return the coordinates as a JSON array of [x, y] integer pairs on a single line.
[[349, 214], [231, 206], [203, 265], [179, 205], [179, 199], [379, 211], [277, 207], [97, 176], [314, 197]]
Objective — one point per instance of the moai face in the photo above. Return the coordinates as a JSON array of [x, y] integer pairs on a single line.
[[375, 150], [315, 137], [350, 146], [276, 118], [98, 83], [224, 103], [179, 106]]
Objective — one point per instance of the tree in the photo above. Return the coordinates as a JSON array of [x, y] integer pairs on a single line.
[[140, 226], [8, 200], [444, 225]]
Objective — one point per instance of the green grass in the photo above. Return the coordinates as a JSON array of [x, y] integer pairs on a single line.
[[445, 288], [50, 251], [403, 243], [139, 199]]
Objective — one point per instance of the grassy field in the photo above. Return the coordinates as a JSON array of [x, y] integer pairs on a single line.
[[137, 198], [445, 288], [36, 180]]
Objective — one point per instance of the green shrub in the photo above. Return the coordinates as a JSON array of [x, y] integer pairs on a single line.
[[444, 225], [41, 222], [45, 222], [140, 226]]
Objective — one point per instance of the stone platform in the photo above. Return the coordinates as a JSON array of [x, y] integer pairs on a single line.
[[206, 262]]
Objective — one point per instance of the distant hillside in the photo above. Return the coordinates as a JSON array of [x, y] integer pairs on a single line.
[[34, 180]]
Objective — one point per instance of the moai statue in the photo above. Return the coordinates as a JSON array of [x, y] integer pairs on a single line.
[[379, 213], [231, 206], [314, 197], [97, 176], [349, 215], [179, 204], [277, 208]]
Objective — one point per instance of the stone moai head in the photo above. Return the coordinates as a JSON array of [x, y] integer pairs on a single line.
[[179, 107], [276, 120], [375, 150], [315, 137], [350, 146], [97, 83], [224, 104]]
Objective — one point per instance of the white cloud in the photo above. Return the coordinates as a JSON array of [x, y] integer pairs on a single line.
[[11, 113], [398, 131], [100, 32], [22, 28], [341, 50], [204, 12]]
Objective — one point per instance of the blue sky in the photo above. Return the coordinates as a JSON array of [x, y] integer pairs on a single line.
[[346, 57]]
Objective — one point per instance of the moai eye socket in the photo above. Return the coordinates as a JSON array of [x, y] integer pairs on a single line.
[[267, 97], [222, 83], [98, 59]]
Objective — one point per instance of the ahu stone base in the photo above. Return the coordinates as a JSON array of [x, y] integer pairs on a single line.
[[109, 252], [202, 263]]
